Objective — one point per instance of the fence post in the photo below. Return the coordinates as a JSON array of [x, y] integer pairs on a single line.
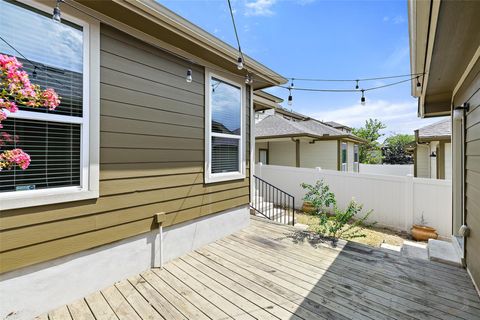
[[409, 202]]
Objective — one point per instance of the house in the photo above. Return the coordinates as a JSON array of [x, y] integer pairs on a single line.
[[339, 126], [433, 151], [445, 54], [138, 165], [287, 138]]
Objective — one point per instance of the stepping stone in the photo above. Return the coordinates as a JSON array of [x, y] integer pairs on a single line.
[[443, 251]]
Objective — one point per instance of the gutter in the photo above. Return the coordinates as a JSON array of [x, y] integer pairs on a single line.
[[189, 31]]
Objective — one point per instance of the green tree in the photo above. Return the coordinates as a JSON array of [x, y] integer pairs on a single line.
[[394, 149], [370, 152]]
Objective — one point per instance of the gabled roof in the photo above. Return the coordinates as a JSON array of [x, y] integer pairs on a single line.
[[181, 37], [438, 130], [276, 126], [336, 124]]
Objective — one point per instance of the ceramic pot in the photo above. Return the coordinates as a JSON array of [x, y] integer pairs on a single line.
[[423, 233], [308, 207]]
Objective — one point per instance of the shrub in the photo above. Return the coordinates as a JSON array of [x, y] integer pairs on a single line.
[[319, 195], [336, 226]]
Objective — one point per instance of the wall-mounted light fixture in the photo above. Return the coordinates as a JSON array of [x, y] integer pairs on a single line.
[[433, 154]]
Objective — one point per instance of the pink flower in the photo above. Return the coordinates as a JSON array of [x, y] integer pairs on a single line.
[[16, 156], [51, 99]]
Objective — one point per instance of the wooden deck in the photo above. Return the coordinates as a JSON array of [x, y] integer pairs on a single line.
[[268, 271]]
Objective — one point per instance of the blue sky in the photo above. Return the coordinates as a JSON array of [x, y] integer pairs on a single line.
[[323, 39]]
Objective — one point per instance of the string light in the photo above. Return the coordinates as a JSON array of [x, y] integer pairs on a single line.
[[34, 73], [356, 86], [189, 76], [248, 79], [362, 99], [57, 13], [419, 85], [290, 98], [240, 63]]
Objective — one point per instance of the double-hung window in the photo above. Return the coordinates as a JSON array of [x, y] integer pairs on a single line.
[[55, 55], [344, 166], [224, 128], [355, 158]]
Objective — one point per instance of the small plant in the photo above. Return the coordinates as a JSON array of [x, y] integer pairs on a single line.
[[319, 195], [344, 223]]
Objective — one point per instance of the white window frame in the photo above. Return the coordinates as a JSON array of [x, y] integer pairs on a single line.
[[89, 123], [224, 176]]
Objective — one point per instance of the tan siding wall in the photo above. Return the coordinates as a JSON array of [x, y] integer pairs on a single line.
[[470, 92], [321, 154], [423, 161], [152, 158], [282, 153]]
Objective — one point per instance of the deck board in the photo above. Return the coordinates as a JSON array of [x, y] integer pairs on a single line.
[[268, 271]]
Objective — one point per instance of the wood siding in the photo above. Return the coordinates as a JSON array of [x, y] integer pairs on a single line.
[[470, 92], [152, 160]]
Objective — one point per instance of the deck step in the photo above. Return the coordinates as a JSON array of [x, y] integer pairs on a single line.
[[444, 252]]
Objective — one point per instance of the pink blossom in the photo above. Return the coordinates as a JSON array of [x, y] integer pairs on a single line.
[[16, 156], [50, 98]]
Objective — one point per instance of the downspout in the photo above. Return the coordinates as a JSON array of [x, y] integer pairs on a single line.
[[160, 218]]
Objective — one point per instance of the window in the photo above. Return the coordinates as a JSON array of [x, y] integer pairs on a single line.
[[224, 127], [57, 141], [355, 158], [263, 155], [344, 156]]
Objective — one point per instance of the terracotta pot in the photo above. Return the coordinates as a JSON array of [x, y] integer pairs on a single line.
[[308, 207], [423, 233]]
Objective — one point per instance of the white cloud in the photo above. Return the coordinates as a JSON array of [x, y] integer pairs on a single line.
[[260, 8], [400, 117], [398, 20]]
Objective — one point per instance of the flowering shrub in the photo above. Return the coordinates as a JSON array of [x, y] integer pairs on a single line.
[[16, 89]]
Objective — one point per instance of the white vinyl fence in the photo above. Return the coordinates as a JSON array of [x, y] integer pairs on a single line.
[[397, 202], [387, 169]]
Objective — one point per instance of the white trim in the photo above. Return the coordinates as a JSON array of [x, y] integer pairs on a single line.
[[252, 145], [29, 115], [90, 125], [217, 177]]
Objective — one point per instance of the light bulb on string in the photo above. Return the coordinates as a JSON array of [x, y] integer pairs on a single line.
[[57, 13], [189, 77], [362, 99], [419, 85], [290, 98], [356, 86], [291, 84], [239, 63], [34, 73], [248, 79]]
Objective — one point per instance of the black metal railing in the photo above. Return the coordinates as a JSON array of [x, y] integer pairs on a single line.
[[272, 202]]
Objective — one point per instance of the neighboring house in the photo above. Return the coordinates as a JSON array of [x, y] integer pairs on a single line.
[[287, 138], [447, 53], [433, 151], [132, 147], [339, 126]]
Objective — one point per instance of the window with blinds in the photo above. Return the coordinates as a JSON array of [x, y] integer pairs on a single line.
[[52, 54], [344, 156], [225, 132]]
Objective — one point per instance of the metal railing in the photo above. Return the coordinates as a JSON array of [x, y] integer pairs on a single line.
[[272, 202]]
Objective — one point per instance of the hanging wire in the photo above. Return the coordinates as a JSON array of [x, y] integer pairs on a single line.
[[35, 66], [344, 90], [242, 61], [358, 79]]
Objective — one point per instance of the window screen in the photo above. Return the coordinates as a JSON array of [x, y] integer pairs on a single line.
[[226, 115], [52, 54]]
